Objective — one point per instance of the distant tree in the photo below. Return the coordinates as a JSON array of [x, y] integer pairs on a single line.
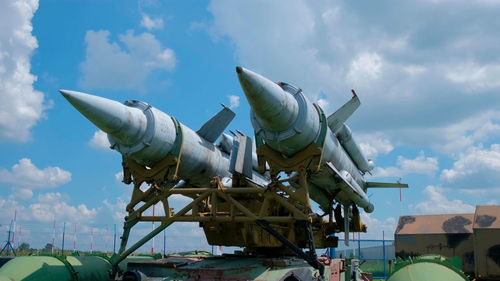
[[25, 247], [48, 247]]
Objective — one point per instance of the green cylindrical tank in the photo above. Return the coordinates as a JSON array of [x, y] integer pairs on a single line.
[[122, 266], [426, 268], [51, 268]]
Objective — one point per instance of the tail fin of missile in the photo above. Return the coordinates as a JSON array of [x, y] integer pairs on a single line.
[[369, 184], [241, 156], [347, 214], [337, 119], [214, 127]]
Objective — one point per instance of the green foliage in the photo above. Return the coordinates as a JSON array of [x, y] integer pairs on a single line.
[[24, 247], [47, 248]]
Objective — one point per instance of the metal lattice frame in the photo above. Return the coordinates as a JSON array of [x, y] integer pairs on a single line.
[[204, 207]]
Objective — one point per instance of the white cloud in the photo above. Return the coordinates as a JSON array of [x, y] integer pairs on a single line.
[[475, 77], [8, 207], [437, 203], [22, 106], [375, 227], [45, 208], [420, 165], [331, 15], [364, 68], [414, 70], [100, 141], [277, 32], [476, 168], [109, 66], [119, 176], [117, 210], [23, 193], [50, 206], [26, 175], [151, 23], [234, 102], [457, 137], [374, 144], [411, 78]]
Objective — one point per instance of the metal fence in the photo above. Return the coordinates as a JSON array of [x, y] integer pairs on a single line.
[[374, 254]]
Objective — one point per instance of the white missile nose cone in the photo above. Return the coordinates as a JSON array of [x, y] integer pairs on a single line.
[[104, 113], [65, 93], [125, 124], [255, 85], [275, 108]]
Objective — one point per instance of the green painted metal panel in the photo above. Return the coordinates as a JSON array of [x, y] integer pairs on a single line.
[[427, 268], [51, 268], [90, 267], [35, 268], [122, 266], [426, 271]]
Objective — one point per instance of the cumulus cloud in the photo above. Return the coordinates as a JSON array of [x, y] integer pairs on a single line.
[[457, 137], [477, 168], [108, 65], [375, 227], [420, 165], [437, 203], [408, 76], [100, 141], [234, 102], [8, 206], [118, 209], [23, 193], [51, 206], [151, 23], [475, 77], [374, 144], [119, 176], [364, 68], [22, 106], [26, 175], [46, 207]]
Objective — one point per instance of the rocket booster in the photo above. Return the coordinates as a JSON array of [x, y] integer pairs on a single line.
[[147, 135], [288, 122]]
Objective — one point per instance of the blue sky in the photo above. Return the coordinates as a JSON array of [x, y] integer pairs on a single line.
[[427, 73]]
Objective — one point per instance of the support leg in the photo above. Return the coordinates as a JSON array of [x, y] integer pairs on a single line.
[[127, 226]]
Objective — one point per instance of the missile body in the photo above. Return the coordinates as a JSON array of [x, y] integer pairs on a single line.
[[147, 135], [288, 122]]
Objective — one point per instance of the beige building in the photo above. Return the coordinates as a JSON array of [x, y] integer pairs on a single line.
[[487, 241], [447, 235], [473, 237]]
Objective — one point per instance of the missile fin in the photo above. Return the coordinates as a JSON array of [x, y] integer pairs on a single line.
[[337, 119], [347, 213], [241, 156], [214, 127], [370, 184]]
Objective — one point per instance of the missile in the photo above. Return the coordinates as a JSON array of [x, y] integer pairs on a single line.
[[288, 122], [147, 135]]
